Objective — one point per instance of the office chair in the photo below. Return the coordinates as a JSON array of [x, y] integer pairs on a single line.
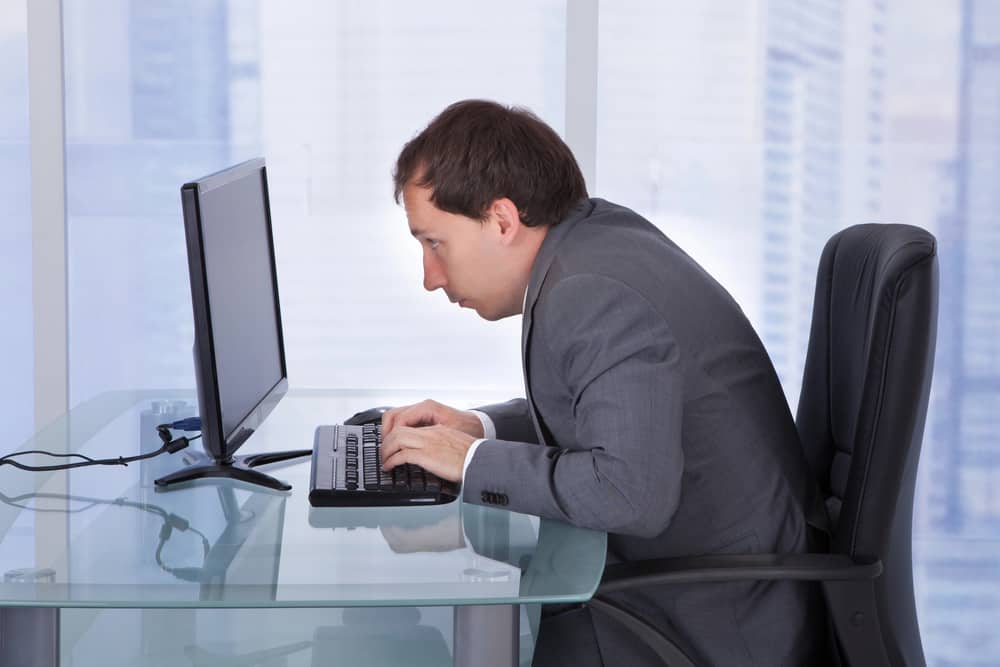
[[861, 418]]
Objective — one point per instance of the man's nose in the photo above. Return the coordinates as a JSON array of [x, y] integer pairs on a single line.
[[433, 275]]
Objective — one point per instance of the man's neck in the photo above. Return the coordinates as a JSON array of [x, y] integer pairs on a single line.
[[538, 238]]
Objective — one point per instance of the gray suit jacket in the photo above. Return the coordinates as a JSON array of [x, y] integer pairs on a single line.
[[652, 412]]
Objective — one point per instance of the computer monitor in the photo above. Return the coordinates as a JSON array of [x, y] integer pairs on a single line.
[[239, 353]]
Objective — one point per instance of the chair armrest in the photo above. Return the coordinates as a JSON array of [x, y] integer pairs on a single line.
[[737, 567]]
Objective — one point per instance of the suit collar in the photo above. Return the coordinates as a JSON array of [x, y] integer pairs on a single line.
[[547, 251]]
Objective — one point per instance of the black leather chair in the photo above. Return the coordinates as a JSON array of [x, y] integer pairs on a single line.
[[861, 419]]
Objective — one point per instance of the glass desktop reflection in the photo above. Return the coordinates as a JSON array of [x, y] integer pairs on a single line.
[[238, 545]]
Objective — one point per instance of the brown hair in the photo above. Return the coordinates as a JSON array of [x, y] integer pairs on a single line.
[[475, 152]]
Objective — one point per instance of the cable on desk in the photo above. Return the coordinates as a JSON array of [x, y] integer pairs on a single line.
[[171, 445]]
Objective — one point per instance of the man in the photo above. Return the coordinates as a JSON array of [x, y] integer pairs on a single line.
[[652, 411]]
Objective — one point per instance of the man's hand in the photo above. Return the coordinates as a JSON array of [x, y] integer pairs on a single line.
[[437, 449], [432, 413]]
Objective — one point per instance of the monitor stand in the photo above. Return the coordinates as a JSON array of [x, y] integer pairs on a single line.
[[237, 467]]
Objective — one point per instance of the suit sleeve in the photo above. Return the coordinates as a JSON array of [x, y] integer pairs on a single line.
[[619, 361], [511, 420]]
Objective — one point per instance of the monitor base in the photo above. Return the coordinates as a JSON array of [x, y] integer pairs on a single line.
[[239, 467]]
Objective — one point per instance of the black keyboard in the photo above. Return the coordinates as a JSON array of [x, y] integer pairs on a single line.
[[347, 471]]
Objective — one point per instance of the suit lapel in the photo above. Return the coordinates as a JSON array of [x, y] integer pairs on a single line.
[[525, 341], [540, 269]]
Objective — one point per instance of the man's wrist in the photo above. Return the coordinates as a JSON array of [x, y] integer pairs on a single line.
[[489, 430]]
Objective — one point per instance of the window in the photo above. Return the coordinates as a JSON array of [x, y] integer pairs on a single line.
[[17, 378], [158, 94]]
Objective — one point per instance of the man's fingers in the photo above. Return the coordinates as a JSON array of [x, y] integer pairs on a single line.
[[389, 446], [393, 460], [404, 438], [394, 418], [421, 457], [418, 414], [388, 418], [437, 449], [405, 456], [401, 437]]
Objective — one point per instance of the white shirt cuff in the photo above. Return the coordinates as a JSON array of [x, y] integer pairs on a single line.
[[489, 430], [489, 433]]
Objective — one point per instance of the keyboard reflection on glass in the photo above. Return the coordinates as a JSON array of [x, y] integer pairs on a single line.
[[347, 471]]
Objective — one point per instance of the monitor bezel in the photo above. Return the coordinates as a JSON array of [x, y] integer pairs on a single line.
[[214, 441]]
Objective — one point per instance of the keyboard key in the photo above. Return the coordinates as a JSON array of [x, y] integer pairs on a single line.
[[416, 476]]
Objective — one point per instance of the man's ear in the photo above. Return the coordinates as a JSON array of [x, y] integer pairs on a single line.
[[503, 212]]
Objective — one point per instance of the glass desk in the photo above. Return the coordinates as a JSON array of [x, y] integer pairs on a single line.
[[105, 537]]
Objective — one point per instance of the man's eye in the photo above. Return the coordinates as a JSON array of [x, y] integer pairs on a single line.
[[433, 244]]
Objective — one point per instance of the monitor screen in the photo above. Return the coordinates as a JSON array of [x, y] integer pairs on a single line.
[[239, 353]]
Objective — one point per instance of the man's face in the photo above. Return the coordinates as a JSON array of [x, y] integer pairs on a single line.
[[463, 256]]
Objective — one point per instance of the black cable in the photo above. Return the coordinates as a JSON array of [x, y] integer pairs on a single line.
[[169, 446], [42, 451]]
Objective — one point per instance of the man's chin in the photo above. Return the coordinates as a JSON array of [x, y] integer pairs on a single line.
[[488, 315], [492, 316]]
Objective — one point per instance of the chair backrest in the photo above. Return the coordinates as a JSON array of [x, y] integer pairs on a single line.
[[864, 400]]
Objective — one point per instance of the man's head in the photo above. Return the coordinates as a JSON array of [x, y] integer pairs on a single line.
[[481, 186]]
